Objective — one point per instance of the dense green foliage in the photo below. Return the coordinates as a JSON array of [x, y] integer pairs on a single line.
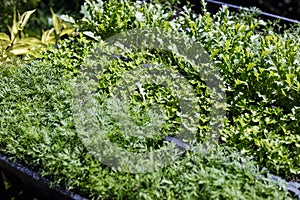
[[261, 69], [260, 72], [44, 138]]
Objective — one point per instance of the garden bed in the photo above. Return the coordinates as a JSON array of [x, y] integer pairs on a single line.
[[259, 68]]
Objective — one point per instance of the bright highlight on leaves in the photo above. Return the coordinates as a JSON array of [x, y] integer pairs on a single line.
[[18, 44]]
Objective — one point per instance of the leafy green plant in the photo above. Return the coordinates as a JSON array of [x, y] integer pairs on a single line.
[[60, 28], [106, 18], [42, 129], [260, 69], [20, 44], [17, 44], [8, 8], [40, 20]]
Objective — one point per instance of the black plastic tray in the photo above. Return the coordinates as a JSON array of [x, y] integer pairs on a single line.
[[30, 183]]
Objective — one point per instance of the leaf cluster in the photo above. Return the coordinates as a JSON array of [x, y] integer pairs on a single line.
[[21, 44], [259, 67]]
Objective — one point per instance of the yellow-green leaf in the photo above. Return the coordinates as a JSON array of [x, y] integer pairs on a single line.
[[48, 37], [4, 37], [289, 78], [14, 28], [24, 19], [30, 41], [57, 22], [19, 51], [250, 66], [240, 82], [265, 52], [67, 31]]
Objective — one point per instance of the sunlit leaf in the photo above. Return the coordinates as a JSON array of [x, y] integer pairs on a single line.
[[19, 51], [24, 19], [68, 18], [67, 31], [4, 36], [90, 34], [48, 36], [30, 41], [14, 28], [57, 22], [289, 79]]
